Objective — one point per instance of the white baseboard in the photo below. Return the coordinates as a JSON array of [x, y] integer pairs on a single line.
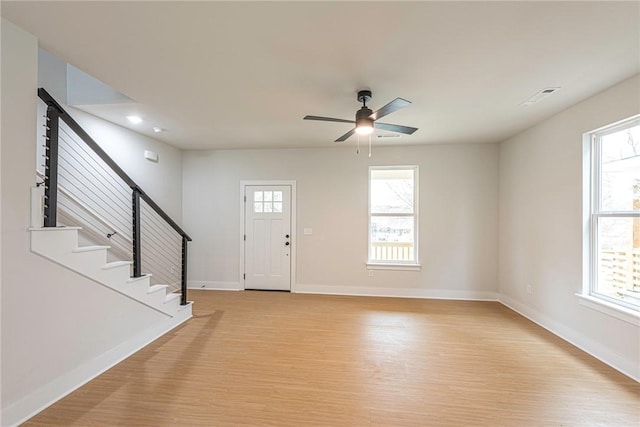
[[50, 393], [396, 292], [585, 344], [214, 285]]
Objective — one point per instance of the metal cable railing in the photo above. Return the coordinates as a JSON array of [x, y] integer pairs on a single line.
[[85, 187]]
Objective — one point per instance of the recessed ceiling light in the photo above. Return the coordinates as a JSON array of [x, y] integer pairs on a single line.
[[157, 129], [134, 119]]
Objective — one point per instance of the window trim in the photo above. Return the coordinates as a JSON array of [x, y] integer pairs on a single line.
[[395, 265], [590, 297]]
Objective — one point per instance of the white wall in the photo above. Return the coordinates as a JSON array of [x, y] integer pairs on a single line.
[[52, 75], [162, 180], [54, 322], [458, 217], [541, 227]]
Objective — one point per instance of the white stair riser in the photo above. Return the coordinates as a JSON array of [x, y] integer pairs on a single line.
[[137, 288], [157, 298], [54, 241], [83, 262], [114, 277], [172, 304]]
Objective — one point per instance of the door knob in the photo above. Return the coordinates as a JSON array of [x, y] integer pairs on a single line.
[[287, 244], [287, 236]]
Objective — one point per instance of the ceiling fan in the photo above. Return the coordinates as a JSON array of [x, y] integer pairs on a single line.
[[366, 120]]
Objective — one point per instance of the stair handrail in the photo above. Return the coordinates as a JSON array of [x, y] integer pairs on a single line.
[[55, 112], [48, 99], [88, 209]]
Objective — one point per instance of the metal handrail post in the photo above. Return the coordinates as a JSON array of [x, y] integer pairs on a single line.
[[136, 248], [51, 168]]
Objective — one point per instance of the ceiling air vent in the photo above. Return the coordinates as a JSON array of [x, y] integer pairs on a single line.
[[539, 96]]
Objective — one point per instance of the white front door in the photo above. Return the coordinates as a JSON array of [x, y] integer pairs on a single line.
[[267, 237]]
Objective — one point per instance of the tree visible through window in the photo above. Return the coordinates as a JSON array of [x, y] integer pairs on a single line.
[[392, 215], [615, 217]]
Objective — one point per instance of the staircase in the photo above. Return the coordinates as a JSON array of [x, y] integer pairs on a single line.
[[60, 245], [75, 167]]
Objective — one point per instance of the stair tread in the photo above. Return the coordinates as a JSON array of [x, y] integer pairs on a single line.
[[156, 288], [90, 248], [53, 228], [135, 279], [116, 264]]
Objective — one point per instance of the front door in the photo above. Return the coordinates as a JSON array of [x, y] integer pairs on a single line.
[[267, 237]]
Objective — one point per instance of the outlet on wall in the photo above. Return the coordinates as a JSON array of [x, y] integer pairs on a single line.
[[529, 289], [370, 273]]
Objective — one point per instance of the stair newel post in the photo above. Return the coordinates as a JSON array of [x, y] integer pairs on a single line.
[[51, 168], [137, 250], [183, 297]]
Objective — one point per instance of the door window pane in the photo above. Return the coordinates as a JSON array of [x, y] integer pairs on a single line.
[[277, 207]]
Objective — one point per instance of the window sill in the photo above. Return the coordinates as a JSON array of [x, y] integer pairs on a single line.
[[399, 267], [613, 310]]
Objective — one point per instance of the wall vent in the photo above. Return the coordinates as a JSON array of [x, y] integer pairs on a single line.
[[540, 95]]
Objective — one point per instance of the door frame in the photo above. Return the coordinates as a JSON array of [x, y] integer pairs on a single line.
[[294, 246]]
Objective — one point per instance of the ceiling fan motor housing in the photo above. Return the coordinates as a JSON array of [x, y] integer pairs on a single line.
[[363, 118]]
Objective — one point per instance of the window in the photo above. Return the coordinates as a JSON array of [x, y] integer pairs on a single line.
[[614, 220], [393, 208]]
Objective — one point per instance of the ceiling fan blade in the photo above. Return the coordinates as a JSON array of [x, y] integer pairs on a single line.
[[346, 135], [394, 105], [395, 128], [328, 119]]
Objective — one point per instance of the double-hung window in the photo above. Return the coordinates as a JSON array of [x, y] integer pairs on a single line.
[[393, 216], [614, 220]]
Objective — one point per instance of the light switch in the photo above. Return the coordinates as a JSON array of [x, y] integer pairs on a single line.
[[308, 231]]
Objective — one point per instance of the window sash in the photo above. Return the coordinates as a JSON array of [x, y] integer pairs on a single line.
[[595, 286], [414, 215]]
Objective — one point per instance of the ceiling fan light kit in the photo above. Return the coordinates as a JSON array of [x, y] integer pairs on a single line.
[[364, 123], [366, 120]]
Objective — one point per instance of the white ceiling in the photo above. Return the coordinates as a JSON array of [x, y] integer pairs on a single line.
[[243, 74]]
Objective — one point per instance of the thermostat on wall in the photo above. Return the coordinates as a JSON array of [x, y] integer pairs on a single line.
[[151, 156]]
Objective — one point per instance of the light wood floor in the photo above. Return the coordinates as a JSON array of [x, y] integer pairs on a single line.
[[280, 359]]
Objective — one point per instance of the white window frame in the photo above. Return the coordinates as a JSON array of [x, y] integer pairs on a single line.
[[590, 296], [395, 265]]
